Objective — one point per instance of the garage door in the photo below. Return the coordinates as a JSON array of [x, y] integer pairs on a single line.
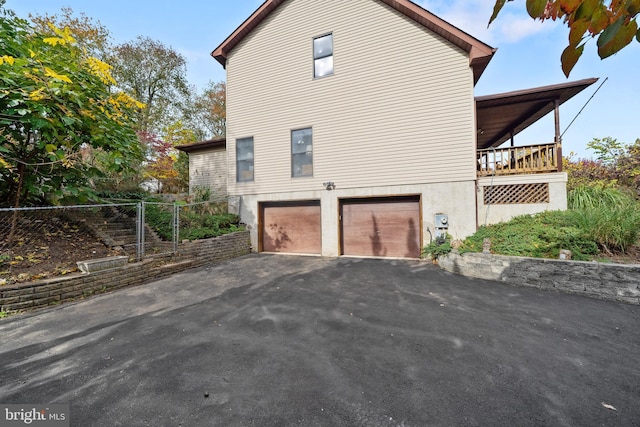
[[291, 227], [384, 227]]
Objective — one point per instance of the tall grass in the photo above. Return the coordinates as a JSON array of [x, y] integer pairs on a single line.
[[587, 197], [609, 216]]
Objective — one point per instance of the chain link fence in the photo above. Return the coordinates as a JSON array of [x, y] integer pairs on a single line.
[[45, 241]]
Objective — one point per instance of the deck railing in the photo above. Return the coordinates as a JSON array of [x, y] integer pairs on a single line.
[[520, 160]]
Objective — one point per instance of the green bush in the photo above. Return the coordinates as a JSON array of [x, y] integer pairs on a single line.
[[160, 218], [439, 247], [599, 219], [201, 226], [539, 236], [195, 222]]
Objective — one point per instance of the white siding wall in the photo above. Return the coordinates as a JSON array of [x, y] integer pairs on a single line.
[[208, 169], [398, 110]]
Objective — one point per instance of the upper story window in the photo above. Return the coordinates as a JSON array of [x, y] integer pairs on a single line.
[[244, 159], [323, 56], [302, 152]]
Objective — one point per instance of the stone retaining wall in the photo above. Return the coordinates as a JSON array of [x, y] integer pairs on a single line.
[[27, 296], [614, 282]]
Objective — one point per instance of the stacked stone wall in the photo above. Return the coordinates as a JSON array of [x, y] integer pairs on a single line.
[[28, 296], [615, 282]]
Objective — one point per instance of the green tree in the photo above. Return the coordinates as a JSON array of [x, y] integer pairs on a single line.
[[207, 111], [613, 22], [90, 35], [608, 150], [617, 165], [55, 102], [155, 75]]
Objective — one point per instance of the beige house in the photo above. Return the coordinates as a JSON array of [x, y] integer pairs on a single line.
[[207, 165], [352, 129]]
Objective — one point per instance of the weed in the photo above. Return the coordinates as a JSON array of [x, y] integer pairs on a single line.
[[441, 246]]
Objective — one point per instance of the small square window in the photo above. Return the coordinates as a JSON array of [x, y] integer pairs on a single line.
[[302, 152], [323, 56]]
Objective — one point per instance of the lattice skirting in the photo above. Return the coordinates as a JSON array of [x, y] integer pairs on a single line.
[[516, 194]]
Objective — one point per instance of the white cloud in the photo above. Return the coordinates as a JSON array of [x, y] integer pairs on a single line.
[[472, 16], [515, 28]]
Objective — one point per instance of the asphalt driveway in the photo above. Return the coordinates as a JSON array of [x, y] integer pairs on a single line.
[[276, 340]]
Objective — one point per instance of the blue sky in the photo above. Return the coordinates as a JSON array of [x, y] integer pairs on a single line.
[[528, 54]]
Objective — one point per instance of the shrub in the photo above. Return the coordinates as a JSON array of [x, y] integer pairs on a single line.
[[539, 236], [196, 222], [160, 218], [439, 247]]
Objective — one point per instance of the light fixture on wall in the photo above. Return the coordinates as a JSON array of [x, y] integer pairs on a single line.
[[329, 185]]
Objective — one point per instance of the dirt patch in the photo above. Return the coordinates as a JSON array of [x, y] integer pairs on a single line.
[[631, 256], [46, 247]]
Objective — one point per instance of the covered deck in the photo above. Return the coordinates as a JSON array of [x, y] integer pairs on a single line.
[[502, 116]]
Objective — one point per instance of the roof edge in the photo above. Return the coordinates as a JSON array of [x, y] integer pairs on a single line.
[[584, 82], [203, 145], [220, 53], [479, 52]]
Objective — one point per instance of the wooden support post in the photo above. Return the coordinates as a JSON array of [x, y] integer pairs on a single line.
[[557, 138]]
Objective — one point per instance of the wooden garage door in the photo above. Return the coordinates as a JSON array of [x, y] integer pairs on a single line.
[[291, 227], [381, 227]]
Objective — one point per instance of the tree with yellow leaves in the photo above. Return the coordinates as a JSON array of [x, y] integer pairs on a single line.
[[57, 101]]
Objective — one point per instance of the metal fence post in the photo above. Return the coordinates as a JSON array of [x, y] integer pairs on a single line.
[[140, 231], [176, 227]]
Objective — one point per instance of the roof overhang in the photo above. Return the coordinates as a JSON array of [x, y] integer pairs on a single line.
[[203, 145], [479, 53], [501, 115]]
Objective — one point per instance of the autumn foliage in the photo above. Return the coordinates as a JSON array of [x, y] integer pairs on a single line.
[[56, 101], [613, 23], [616, 165]]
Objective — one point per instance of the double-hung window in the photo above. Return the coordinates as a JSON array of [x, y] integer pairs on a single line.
[[323, 56], [244, 159], [301, 152]]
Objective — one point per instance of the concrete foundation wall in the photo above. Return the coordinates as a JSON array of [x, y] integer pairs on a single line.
[[495, 213], [615, 282], [456, 199]]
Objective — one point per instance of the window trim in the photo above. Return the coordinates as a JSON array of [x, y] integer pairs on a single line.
[[313, 54], [253, 175], [293, 175]]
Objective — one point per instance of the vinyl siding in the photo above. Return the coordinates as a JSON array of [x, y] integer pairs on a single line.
[[398, 110], [208, 169]]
